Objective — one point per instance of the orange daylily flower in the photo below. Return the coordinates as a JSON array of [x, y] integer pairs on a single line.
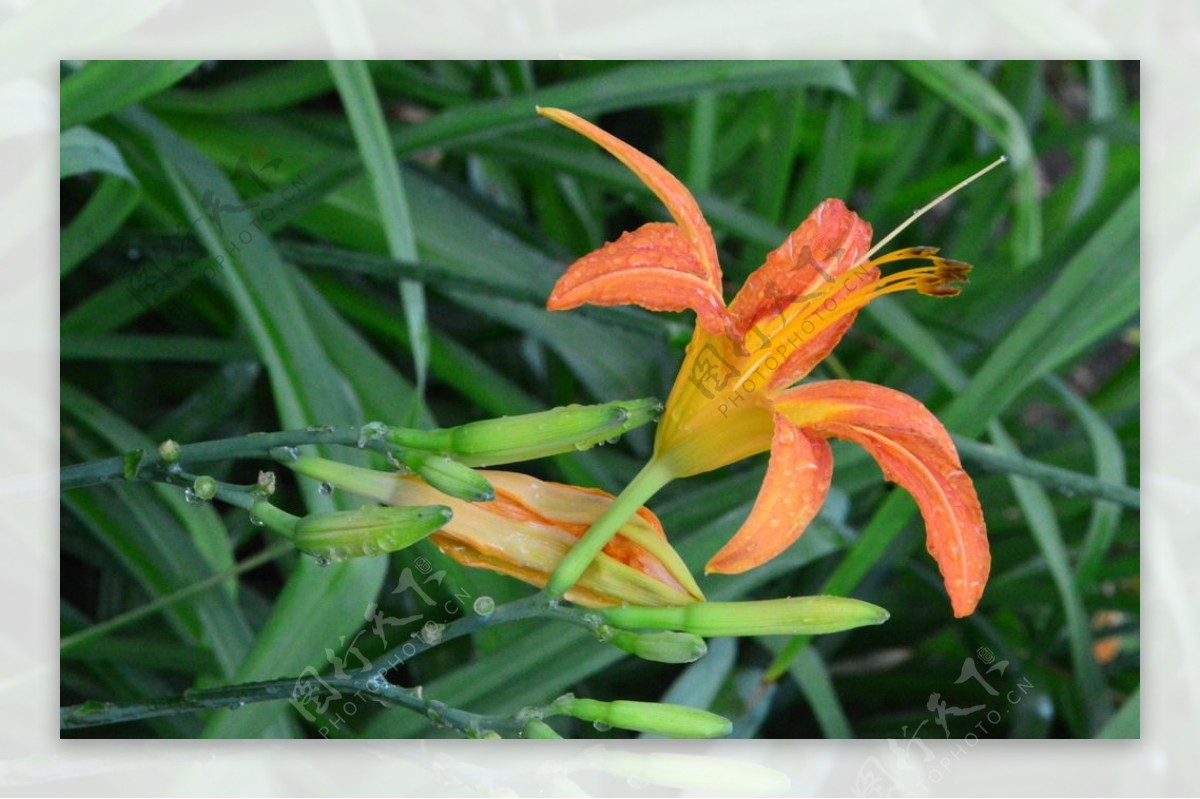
[[735, 395]]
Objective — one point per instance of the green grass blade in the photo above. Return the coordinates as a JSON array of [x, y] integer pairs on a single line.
[[104, 87], [83, 150], [106, 211], [165, 543], [1060, 324], [366, 119], [624, 87], [978, 100], [812, 677], [1110, 467], [1044, 526], [317, 605], [270, 89]]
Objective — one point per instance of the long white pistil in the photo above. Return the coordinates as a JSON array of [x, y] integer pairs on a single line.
[[932, 204]]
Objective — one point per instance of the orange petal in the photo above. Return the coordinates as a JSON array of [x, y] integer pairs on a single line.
[[797, 480], [914, 450], [673, 194], [654, 267], [826, 244]]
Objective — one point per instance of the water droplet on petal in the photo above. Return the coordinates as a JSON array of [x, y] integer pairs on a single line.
[[321, 560], [257, 522], [325, 489], [191, 497], [601, 726]]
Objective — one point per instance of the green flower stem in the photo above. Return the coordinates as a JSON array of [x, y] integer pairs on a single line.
[[534, 606], [253, 445], [653, 476], [995, 459], [370, 682], [93, 714]]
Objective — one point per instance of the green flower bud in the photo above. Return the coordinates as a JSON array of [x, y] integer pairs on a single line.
[[511, 439], [449, 476], [445, 475], [169, 451], [662, 647], [674, 721], [536, 728], [802, 615], [205, 487], [369, 530]]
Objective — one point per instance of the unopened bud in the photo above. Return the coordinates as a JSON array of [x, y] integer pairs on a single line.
[[674, 721], [661, 647], [169, 451], [205, 487], [366, 531], [512, 439], [802, 615], [445, 475], [449, 476], [536, 728]]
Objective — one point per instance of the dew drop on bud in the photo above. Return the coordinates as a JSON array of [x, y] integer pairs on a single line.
[[484, 606], [191, 497], [257, 522], [325, 489]]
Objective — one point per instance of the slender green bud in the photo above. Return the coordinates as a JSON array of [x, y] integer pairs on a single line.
[[454, 479], [536, 728], [661, 647], [801, 615], [673, 721], [449, 476], [511, 439], [367, 531], [263, 513]]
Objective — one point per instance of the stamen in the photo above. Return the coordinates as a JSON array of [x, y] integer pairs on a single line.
[[936, 200]]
